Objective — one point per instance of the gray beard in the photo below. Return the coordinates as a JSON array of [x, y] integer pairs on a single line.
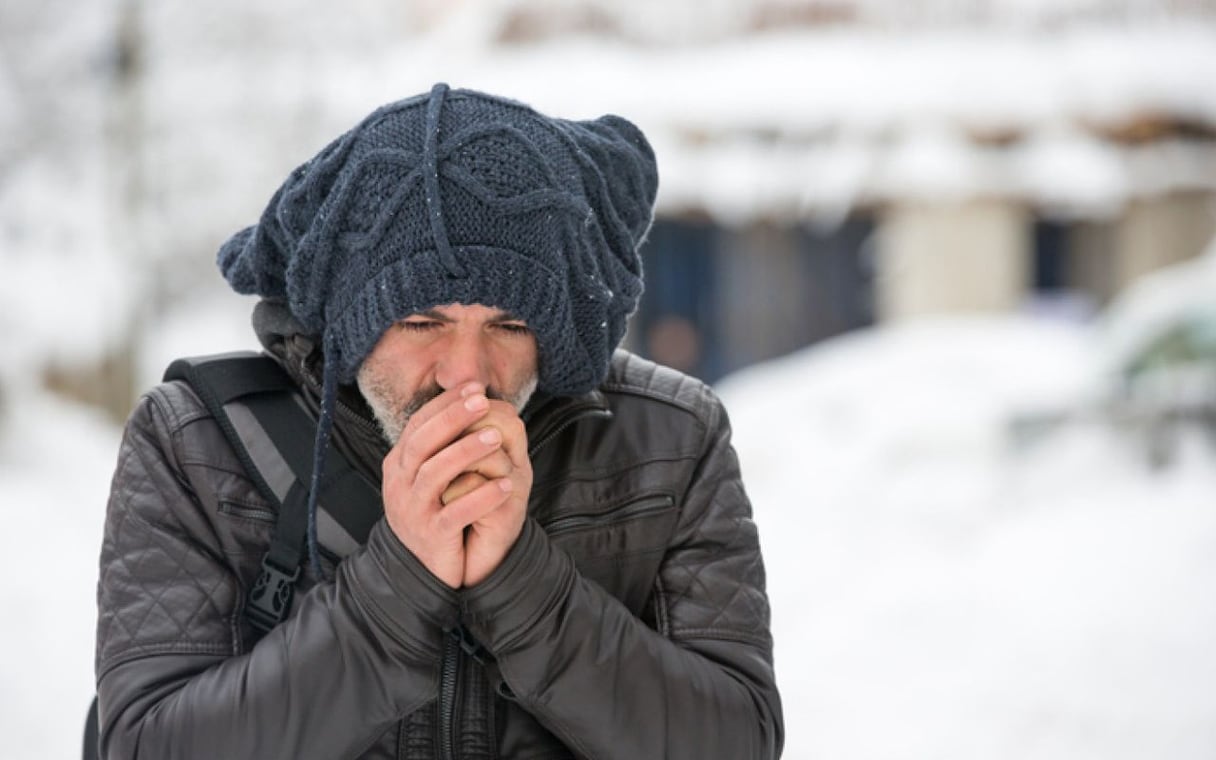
[[392, 417]]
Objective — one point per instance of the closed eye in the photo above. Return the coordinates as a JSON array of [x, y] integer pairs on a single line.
[[515, 328], [419, 325]]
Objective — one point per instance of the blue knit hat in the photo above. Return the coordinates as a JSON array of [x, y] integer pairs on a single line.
[[457, 197], [461, 197]]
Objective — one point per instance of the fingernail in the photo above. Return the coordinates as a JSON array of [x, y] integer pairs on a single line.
[[470, 389], [506, 485], [476, 403], [489, 436]]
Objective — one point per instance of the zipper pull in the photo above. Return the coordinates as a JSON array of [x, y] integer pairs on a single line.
[[470, 646]]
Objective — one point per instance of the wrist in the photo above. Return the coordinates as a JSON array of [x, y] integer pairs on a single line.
[[400, 595], [520, 593]]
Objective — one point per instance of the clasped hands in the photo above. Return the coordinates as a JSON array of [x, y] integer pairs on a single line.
[[456, 484]]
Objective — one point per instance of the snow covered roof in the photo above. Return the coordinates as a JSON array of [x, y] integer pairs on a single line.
[[817, 120]]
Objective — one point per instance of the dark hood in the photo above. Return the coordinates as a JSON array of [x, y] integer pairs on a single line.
[[357, 435]]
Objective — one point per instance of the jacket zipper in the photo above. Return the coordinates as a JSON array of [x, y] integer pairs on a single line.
[[564, 419], [354, 418], [351, 416], [640, 507], [449, 678], [448, 686]]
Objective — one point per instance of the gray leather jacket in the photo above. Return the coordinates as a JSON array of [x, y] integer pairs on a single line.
[[629, 621]]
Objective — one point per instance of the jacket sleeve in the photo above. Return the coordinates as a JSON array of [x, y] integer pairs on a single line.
[[358, 652], [608, 685]]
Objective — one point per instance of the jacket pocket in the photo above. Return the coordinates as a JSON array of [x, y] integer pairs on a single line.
[[247, 511], [635, 509], [244, 527], [619, 547]]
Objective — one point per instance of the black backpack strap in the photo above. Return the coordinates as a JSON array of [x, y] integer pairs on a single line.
[[270, 429]]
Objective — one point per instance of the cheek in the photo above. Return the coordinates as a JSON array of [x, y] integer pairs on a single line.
[[371, 383], [518, 364], [384, 379], [404, 368]]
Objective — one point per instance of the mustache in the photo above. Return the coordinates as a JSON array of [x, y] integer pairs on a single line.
[[428, 394]]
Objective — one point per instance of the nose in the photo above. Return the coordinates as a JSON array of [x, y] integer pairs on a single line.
[[462, 359]]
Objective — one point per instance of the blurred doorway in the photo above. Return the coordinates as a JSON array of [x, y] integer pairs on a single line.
[[718, 299]]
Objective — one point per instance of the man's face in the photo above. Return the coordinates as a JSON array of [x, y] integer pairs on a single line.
[[427, 353]]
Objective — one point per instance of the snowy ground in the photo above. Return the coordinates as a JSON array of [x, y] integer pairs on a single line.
[[937, 591], [55, 465]]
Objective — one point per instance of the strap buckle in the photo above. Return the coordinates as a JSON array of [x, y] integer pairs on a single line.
[[270, 600]]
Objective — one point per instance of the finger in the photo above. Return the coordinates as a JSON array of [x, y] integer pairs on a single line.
[[437, 404], [475, 505], [408, 442], [452, 415], [503, 416], [435, 474], [496, 464], [466, 483]]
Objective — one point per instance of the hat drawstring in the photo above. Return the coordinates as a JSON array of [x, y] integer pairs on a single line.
[[430, 173], [329, 390]]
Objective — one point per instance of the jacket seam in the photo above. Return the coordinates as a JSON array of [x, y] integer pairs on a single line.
[[696, 411], [619, 558], [144, 651], [180, 418], [662, 619], [198, 461], [549, 606], [718, 634], [385, 620]]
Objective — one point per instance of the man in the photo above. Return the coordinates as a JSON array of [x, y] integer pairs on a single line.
[[566, 564]]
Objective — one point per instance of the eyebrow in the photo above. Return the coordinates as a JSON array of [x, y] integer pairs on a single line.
[[498, 316], [432, 314]]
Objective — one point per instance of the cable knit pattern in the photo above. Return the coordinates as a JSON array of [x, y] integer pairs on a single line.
[[461, 197]]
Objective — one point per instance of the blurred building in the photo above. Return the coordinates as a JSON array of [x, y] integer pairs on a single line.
[[825, 164], [831, 163]]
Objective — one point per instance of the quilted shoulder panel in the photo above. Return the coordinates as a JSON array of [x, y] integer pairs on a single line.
[[712, 581], [163, 585]]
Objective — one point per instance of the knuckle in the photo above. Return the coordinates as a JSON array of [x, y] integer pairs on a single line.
[[426, 476], [443, 521], [517, 428], [508, 425], [411, 448]]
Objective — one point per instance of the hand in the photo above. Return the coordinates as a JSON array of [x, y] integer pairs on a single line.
[[437, 445], [493, 534]]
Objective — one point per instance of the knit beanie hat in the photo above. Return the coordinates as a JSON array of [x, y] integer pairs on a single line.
[[461, 197], [458, 197]]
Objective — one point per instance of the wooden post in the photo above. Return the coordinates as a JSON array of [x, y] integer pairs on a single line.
[[971, 256], [1163, 230]]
